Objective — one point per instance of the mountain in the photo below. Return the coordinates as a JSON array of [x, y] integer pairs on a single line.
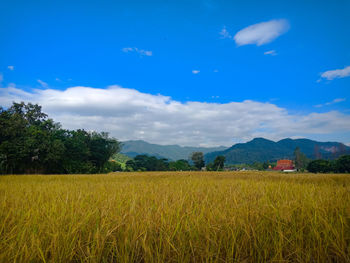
[[171, 152], [262, 150]]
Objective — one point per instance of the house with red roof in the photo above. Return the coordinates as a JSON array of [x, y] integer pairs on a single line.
[[284, 165]]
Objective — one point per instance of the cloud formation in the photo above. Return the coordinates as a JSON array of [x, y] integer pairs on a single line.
[[43, 83], [1, 77], [337, 73], [129, 114], [261, 33], [141, 52], [331, 102], [11, 67], [195, 71], [270, 52]]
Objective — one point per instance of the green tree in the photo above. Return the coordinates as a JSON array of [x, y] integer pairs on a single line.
[[300, 159], [102, 148], [130, 166], [30, 142], [319, 166], [219, 163], [198, 159], [342, 165], [149, 163], [179, 165], [112, 166], [27, 140]]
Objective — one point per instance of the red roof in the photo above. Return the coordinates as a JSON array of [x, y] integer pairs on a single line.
[[284, 165]]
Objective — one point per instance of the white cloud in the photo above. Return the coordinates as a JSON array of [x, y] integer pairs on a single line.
[[195, 71], [225, 34], [270, 52], [337, 73], [331, 102], [1, 77], [43, 83], [261, 33], [11, 67], [130, 114], [336, 101], [141, 52]]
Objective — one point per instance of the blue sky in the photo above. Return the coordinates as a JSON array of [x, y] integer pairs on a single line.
[[288, 58]]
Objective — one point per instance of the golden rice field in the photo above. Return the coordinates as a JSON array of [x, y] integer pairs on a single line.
[[175, 217]]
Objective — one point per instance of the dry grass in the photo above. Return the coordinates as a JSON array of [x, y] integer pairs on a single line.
[[175, 217]]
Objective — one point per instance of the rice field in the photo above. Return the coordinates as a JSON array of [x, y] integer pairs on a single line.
[[175, 217]]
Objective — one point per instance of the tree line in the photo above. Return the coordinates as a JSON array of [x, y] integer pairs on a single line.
[[30, 142], [152, 163], [340, 165]]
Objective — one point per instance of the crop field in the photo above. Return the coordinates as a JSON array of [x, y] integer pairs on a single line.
[[175, 217]]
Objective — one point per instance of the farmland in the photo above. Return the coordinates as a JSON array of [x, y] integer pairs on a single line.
[[175, 217]]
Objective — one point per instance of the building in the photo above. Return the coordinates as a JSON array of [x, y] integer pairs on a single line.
[[284, 165]]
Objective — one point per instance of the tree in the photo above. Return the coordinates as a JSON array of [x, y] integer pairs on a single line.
[[30, 142], [319, 166], [27, 140], [130, 166], [179, 165], [147, 163], [198, 159], [219, 163], [300, 159], [112, 166], [342, 165], [102, 148]]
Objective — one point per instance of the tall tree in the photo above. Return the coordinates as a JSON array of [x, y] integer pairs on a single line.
[[219, 163], [342, 165], [30, 142], [198, 159], [300, 159]]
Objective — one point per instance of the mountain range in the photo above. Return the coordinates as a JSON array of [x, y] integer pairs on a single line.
[[256, 150], [262, 150], [170, 152]]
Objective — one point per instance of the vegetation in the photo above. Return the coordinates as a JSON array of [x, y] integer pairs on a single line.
[[147, 163], [175, 217], [341, 165], [262, 150], [121, 159], [180, 165], [198, 159], [300, 160], [217, 165], [170, 152], [30, 142]]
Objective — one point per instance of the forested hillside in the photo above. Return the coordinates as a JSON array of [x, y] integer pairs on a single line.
[[170, 152], [30, 142], [263, 150]]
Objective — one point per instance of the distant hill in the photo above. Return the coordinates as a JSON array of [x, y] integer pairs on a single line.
[[121, 159], [171, 152], [262, 150]]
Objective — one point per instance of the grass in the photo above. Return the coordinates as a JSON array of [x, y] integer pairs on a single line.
[[175, 217]]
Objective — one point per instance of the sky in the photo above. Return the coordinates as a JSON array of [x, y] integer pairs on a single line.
[[195, 73]]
